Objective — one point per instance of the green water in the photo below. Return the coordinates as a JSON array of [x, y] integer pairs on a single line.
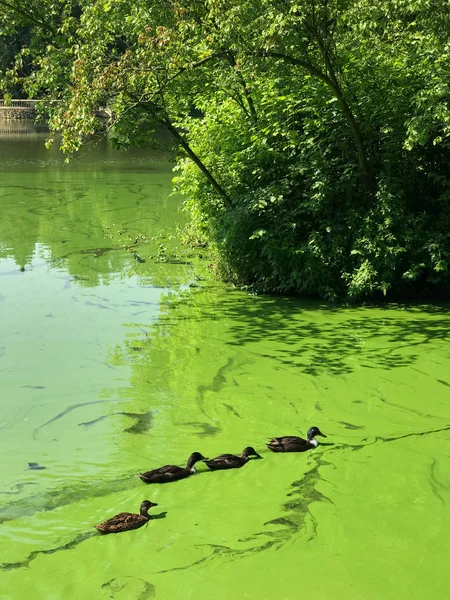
[[111, 366]]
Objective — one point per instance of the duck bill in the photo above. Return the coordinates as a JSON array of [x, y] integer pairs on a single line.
[[321, 434], [258, 456]]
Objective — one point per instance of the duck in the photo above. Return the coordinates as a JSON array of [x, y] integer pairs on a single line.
[[231, 461], [292, 443], [172, 472], [126, 521]]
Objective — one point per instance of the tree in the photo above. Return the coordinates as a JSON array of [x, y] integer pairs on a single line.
[[312, 134]]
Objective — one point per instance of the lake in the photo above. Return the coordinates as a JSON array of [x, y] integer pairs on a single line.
[[119, 353]]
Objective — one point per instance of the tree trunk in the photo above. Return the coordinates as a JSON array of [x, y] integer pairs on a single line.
[[193, 156], [330, 80]]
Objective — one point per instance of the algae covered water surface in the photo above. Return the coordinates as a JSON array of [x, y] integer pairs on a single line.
[[111, 365]]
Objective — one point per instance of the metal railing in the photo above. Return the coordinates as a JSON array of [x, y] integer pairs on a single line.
[[18, 104]]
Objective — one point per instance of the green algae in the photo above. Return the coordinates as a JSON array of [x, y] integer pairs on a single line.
[[111, 366]]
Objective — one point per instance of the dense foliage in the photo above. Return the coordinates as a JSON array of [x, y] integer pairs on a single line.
[[313, 135]]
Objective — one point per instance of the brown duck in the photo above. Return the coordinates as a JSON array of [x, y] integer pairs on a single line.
[[126, 521], [172, 472], [231, 461], [292, 443]]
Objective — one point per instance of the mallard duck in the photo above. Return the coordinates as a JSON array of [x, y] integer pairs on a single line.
[[172, 472], [231, 461], [292, 443], [126, 521]]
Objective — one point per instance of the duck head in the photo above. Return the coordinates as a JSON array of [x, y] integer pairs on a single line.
[[313, 431], [249, 451], [145, 505], [194, 458]]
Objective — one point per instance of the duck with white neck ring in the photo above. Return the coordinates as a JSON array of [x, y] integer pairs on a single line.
[[292, 443]]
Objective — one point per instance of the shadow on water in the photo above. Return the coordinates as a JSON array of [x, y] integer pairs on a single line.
[[161, 515], [298, 337], [292, 335]]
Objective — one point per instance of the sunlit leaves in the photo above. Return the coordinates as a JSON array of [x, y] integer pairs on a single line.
[[323, 123]]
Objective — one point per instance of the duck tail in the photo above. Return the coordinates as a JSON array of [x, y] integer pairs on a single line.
[[274, 442], [274, 445]]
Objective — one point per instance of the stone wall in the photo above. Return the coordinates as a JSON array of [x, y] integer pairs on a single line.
[[10, 113]]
